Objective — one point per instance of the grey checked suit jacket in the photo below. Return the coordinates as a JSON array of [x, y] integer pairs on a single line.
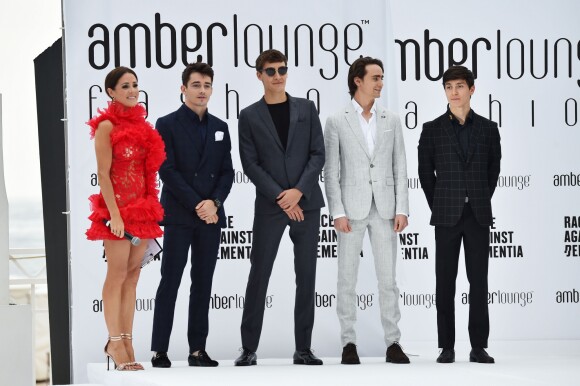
[[352, 176]]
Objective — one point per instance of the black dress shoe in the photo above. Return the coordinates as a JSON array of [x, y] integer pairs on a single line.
[[248, 358], [395, 354], [447, 356], [201, 360], [306, 357], [349, 355], [479, 355], [160, 359]]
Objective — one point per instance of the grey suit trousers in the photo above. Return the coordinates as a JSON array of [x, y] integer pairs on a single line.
[[383, 244]]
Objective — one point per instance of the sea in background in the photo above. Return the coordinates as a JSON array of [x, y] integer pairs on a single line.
[[26, 227], [26, 231]]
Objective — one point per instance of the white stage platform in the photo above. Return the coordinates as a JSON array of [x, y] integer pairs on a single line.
[[518, 363]]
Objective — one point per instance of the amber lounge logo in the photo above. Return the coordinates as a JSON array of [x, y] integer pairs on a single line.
[[499, 297], [426, 300], [234, 302], [363, 301], [141, 305], [571, 296], [565, 180]]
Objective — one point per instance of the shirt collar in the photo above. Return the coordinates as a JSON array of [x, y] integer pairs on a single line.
[[194, 117], [359, 109], [453, 119]]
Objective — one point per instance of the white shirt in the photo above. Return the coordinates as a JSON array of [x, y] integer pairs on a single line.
[[369, 128]]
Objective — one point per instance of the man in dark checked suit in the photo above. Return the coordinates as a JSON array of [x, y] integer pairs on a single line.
[[459, 163]]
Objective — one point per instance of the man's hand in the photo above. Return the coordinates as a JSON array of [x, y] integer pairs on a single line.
[[401, 222], [289, 198], [206, 209], [295, 213], [211, 219], [341, 224]]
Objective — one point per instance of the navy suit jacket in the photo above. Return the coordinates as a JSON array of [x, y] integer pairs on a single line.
[[193, 171], [446, 175], [270, 167]]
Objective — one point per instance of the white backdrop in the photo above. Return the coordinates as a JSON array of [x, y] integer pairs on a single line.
[[534, 261]]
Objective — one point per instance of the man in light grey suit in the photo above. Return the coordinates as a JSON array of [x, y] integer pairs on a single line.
[[282, 151], [366, 186]]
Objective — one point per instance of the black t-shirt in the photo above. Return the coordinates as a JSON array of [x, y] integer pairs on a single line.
[[280, 113]]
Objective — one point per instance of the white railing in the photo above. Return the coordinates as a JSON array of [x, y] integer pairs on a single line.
[[28, 271], [30, 274]]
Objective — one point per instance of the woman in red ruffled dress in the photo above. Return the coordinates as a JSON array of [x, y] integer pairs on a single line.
[[129, 152]]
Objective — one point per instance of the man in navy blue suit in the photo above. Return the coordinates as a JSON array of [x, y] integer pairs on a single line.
[[197, 177]]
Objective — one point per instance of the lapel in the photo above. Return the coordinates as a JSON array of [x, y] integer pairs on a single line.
[[209, 139], [475, 133], [185, 123], [264, 114], [294, 113], [351, 117], [448, 129], [381, 134]]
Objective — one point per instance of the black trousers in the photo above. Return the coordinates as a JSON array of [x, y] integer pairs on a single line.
[[267, 233], [204, 241], [475, 239]]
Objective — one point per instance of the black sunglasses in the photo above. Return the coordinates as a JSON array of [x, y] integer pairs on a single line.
[[271, 71]]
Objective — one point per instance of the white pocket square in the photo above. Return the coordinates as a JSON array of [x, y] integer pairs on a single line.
[[219, 135]]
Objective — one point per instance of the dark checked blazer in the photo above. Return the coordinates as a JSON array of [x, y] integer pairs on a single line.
[[446, 175]]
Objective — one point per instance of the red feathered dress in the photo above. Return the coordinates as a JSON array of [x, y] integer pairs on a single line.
[[138, 152]]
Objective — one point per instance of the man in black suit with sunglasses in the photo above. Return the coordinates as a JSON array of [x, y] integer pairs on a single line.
[[282, 152]]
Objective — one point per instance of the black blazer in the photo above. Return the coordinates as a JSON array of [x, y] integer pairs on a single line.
[[193, 171], [446, 175], [270, 167]]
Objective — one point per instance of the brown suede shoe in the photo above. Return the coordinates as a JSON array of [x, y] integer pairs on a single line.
[[395, 354], [349, 355]]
